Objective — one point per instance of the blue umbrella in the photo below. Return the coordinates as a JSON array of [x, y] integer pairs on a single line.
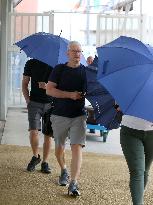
[[126, 70], [48, 48], [100, 99]]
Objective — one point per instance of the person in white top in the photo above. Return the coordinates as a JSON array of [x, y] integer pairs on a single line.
[[136, 138]]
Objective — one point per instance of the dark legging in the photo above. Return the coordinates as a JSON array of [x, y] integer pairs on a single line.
[[137, 146]]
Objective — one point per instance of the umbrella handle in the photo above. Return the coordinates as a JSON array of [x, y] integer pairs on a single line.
[[105, 66]]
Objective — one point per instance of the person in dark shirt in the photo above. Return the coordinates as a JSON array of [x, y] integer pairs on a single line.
[[67, 83], [36, 74]]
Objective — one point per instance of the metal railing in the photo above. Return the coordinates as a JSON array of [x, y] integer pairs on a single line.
[[22, 25], [109, 27]]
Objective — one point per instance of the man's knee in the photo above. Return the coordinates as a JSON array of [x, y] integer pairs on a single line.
[[34, 133]]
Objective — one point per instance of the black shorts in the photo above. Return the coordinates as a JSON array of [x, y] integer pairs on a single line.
[[46, 123]]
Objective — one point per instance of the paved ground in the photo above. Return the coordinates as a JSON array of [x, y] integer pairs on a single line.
[[15, 133], [104, 177]]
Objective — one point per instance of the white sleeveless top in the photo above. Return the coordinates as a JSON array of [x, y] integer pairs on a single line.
[[136, 123]]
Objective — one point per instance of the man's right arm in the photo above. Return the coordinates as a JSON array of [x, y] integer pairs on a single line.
[[25, 89], [57, 93]]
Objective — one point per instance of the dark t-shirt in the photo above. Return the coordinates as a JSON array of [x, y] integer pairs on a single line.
[[39, 72], [69, 79]]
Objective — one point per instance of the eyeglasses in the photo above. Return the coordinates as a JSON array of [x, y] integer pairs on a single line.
[[75, 51]]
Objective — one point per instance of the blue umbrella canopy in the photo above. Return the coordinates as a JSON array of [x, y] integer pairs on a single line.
[[48, 48], [100, 99], [125, 69]]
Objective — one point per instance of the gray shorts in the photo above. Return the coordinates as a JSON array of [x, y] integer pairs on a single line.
[[35, 113], [64, 127]]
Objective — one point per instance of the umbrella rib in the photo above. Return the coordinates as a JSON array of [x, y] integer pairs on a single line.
[[125, 68], [133, 51]]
